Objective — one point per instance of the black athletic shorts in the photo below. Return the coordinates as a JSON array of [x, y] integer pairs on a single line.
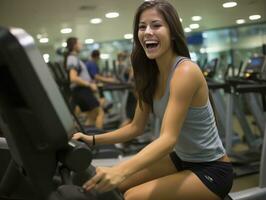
[[216, 175], [84, 98]]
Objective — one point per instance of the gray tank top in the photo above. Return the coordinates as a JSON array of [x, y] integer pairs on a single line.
[[73, 62], [198, 139]]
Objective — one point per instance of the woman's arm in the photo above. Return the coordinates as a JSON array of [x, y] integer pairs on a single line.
[[183, 87], [74, 78], [126, 133]]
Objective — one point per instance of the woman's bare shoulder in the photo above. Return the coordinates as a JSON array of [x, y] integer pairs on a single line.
[[188, 70]]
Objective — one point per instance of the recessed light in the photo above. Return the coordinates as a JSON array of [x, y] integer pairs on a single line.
[[240, 21], [128, 36], [194, 26], [187, 30], [44, 40], [66, 30], [96, 21], [64, 44], [112, 15], [196, 18], [89, 41], [254, 17], [230, 4]]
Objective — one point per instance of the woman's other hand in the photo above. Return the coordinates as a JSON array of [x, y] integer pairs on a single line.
[[105, 179]]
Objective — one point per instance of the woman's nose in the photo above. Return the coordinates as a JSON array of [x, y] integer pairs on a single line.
[[148, 30]]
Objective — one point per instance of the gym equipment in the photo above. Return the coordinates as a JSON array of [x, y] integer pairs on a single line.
[[256, 193], [38, 127], [253, 74], [247, 163], [61, 78], [4, 156], [217, 88]]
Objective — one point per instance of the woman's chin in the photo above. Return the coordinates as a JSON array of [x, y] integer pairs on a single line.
[[151, 56]]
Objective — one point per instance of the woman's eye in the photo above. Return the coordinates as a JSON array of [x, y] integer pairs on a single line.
[[142, 27], [156, 25]]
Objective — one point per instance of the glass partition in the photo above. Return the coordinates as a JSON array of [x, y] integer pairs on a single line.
[[230, 45]]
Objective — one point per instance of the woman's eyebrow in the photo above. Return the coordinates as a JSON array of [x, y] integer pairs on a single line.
[[157, 20], [153, 21]]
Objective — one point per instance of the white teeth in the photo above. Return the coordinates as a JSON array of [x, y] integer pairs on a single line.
[[151, 42]]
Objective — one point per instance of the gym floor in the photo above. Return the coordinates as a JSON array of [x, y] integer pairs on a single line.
[[245, 182]]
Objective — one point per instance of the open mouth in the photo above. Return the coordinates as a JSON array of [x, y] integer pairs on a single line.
[[151, 44]]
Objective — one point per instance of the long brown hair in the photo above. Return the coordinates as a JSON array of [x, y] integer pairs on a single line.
[[146, 70]]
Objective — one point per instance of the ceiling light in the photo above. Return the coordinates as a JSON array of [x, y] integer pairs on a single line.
[[96, 21], [111, 15], [128, 36], [194, 26], [240, 21], [64, 44], [230, 4], [44, 40], [254, 17], [187, 30], [89, 41], [196, 18], [66, 30]]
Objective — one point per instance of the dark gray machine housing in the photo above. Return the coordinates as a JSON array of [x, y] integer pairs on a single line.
[[33, 115]]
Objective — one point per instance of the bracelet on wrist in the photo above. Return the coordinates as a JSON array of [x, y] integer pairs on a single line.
[[93, 140]]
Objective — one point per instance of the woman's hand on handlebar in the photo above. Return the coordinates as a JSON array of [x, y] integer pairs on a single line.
[[82, 137]]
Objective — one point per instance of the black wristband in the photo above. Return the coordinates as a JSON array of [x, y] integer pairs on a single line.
[[93, 140]]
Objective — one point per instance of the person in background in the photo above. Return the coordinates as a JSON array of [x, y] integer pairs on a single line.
[[124, 68], [93, 69], [187, 161], [126, 75], [82, 85]]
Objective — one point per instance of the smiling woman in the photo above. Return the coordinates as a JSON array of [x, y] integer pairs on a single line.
[[187, 160], [153, 33], [156, 26]]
